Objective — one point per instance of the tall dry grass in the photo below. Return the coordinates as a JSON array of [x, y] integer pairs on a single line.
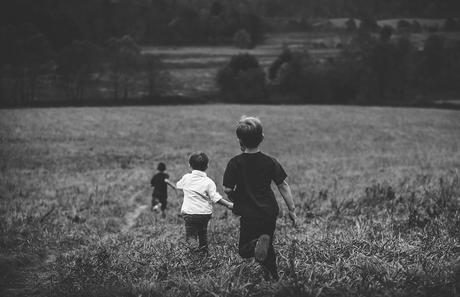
[[377, 191]]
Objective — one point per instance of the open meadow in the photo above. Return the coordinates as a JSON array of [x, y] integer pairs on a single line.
[[377, 193]]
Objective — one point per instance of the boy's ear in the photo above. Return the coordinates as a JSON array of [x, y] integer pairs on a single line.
[[242, 147]]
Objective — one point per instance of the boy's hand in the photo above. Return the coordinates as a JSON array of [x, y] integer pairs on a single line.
[[230, 206], [293, 218]]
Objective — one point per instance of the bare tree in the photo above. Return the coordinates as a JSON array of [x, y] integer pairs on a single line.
[[125, 61], [76, 64]]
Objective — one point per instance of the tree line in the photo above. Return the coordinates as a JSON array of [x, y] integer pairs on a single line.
[[372, 69], [358, 8], [33, 70], [88, 49], [175, 22], [181, 22]]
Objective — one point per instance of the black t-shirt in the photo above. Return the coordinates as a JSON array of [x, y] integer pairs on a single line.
[[252, 175], [160, 187]]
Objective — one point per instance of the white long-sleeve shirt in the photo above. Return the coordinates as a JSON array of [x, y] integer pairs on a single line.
[[199, 193]]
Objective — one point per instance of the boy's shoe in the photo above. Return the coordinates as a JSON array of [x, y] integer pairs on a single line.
[[261, 249], [156, 208], [270, 275]]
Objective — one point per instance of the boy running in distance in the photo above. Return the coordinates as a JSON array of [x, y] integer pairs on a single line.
[[159, 183]]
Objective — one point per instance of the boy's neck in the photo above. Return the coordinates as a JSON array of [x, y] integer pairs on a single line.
[[251, 150], [199, 171]]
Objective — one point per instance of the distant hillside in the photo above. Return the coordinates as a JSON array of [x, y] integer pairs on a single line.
[[196, 21]]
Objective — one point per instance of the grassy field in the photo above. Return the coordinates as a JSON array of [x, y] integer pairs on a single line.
[[377, 193]]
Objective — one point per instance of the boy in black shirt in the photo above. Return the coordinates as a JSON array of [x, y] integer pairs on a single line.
[[247, 181], [160, 182]]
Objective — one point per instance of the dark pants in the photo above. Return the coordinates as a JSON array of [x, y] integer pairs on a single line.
[[162, 200], [250, 230], [196, 225]]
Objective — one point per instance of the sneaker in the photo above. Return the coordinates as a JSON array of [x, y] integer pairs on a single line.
[[262, 245], [156, 208], [270, 275]]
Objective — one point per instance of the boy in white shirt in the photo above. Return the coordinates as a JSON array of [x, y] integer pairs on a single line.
[[199, 195]]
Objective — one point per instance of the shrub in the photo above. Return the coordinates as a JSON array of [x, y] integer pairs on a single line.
[[416, 27], [295, 73], [368, 71], [242, 39], [351, 26], [385, 33], [450, 25], [242, 79], [404, 26], [368, 24], [286, 71]]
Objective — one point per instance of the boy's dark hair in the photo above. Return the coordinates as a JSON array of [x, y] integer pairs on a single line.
[[161, 166], [198, 161], [250, 132]]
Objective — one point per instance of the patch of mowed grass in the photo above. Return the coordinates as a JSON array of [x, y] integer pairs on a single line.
[[376, 188]]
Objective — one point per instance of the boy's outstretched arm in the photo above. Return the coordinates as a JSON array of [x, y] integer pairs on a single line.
[[217, 198], [225, 203], [170, 184], [285, 191]]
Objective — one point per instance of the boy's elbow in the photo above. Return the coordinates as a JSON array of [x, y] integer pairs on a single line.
[[217, 198]]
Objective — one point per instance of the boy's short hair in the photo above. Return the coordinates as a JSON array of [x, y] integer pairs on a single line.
[[249, 131], [161, 166], [198, 161]]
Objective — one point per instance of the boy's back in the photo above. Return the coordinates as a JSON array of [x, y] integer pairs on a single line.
[[199, 192], [247, 180], [252, 174], [160, 187]]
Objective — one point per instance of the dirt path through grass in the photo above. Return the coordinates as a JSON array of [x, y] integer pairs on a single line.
[[131, 217]]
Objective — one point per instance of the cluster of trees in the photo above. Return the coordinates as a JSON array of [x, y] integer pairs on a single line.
[[32, 68], [85, 49], [195, 21], [368, 24], [371, 70], [147, 21], [357, 8]]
